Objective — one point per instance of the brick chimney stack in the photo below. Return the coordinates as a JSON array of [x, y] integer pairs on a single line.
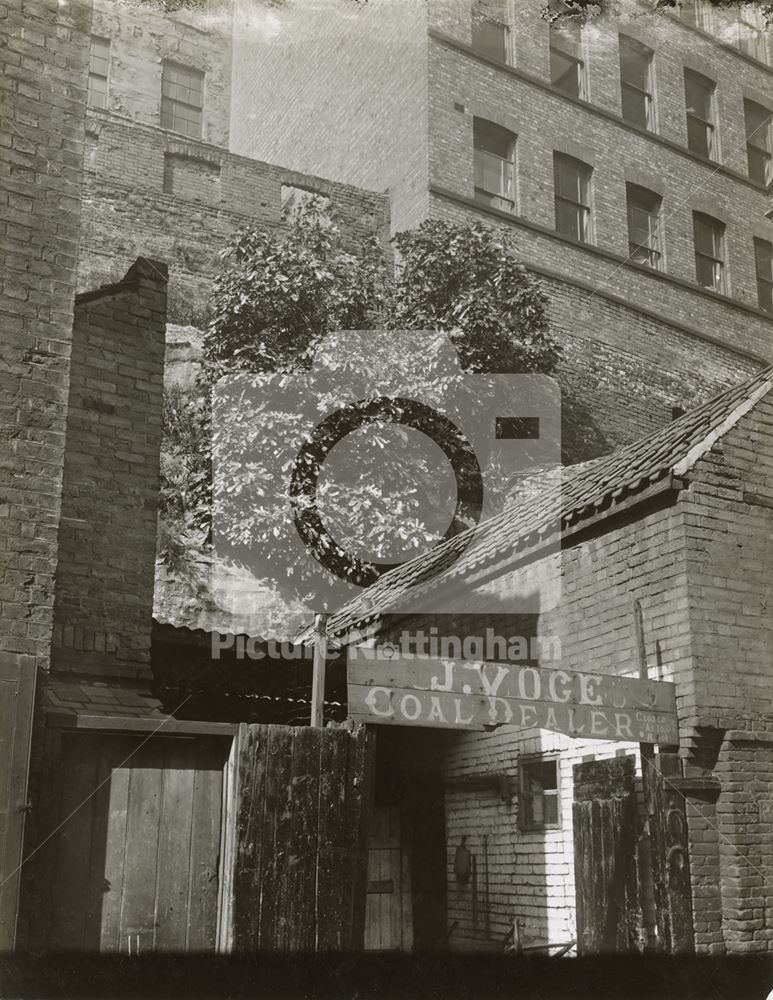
[[107, 538]]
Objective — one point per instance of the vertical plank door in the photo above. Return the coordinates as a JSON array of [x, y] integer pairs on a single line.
[[388, 903], [136, 864]]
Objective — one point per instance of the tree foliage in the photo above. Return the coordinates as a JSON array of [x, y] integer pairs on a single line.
[[278, 297]]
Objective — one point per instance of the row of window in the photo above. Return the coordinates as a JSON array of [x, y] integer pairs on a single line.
[[182, 90], [568, 73], [494, 173]]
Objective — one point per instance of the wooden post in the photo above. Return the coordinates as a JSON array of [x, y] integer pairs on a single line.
[[318, 678], [649, 786]]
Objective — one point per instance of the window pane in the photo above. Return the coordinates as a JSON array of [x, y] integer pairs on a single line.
[[708, 235], [708, 272], [636, 107], [763, 253], [566, 73], [97, 95], [550, 807], [489, 38], [759, 165], [492, 138], [699, 137], [758, 121], [635, 63], [698, 92]]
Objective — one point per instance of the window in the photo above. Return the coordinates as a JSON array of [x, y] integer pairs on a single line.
[[538, 806], [697, 13], [758, 141], [636, 82], [571, 186], [489, 30], [99, 64], [709, 235], [763, 256], [567, 68], [699, 99], [494, 148], [750, 34], [181, 99], [644, 238]]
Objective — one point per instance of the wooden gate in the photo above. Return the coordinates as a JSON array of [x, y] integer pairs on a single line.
[[604, 819], [134, 865], [301, 839], [17, 690]]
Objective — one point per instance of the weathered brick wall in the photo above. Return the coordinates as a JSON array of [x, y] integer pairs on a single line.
[[729, 524], [134, 205], [337, 89], [107, 535], [142, 35], [41, 150], [744, 815], [44, 52]]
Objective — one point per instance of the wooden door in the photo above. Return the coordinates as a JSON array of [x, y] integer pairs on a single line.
[[17, 692], [135, 863], [606, 887], [388, 916]]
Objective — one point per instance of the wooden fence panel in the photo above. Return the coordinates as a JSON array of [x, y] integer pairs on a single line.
[[604, 819], [301, 839]]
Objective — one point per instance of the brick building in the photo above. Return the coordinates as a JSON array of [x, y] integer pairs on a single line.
[[680, 522], [159, 179], [624, 174]]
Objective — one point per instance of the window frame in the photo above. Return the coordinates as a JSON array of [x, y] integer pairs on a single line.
[[170, 104], [755, 148], [528, 825], [481, 23], [709, 124], [656, 231], [481, 193], [585, 176], [721, 259], [764, 281], [94, 75], [572, 50], [639, 49]]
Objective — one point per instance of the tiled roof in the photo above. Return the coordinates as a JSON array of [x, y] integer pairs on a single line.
[[88, 697], [585, 491]]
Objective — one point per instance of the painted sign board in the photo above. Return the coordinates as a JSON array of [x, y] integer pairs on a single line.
[[478, 695]]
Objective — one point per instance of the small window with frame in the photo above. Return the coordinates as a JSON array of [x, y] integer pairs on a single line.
[[539, 803]]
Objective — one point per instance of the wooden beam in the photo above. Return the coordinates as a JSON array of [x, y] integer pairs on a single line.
[[318, 677]]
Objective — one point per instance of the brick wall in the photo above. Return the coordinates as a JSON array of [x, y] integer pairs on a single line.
[[744, 815], [151, 192], [142, 36], [729, 525], [43, 51], [338, 89], [41, 151], [107, 536]]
